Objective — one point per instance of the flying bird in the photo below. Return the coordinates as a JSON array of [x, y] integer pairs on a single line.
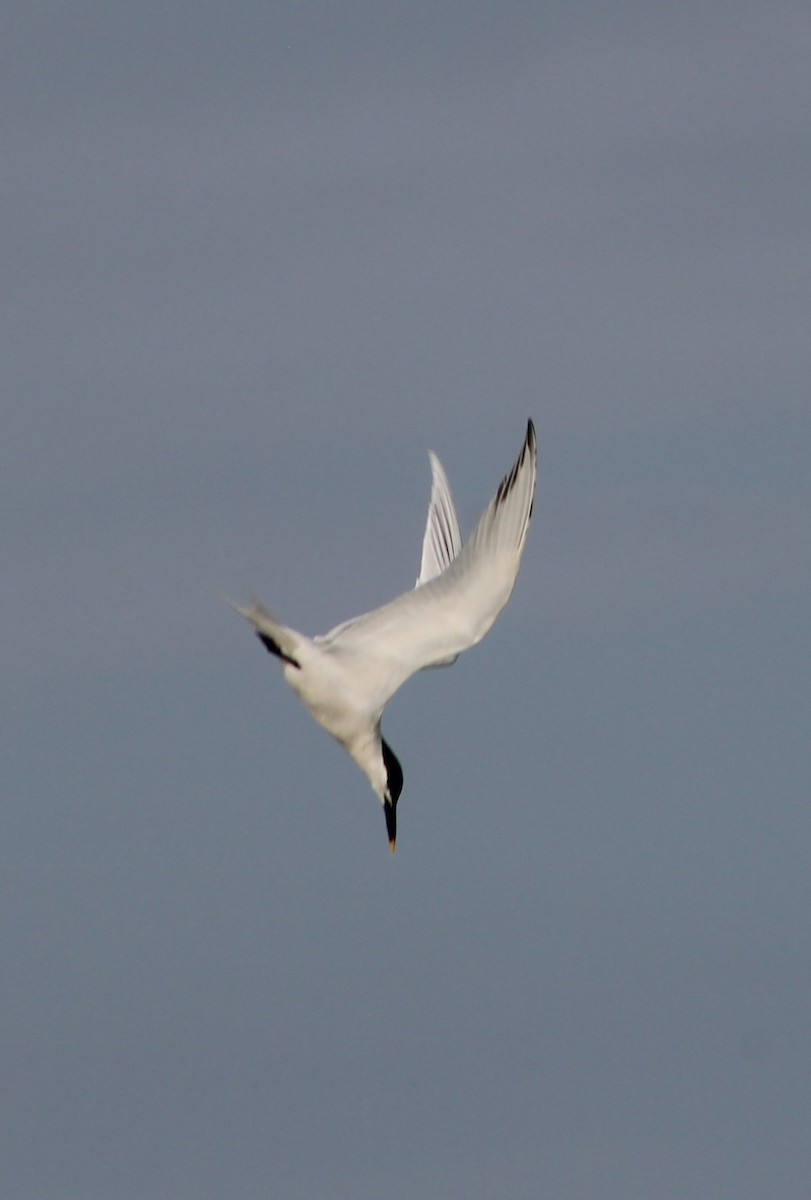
[[346, 677]]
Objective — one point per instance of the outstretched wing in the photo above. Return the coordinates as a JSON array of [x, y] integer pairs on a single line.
[[442, 541], [453, 610], [285, 643]]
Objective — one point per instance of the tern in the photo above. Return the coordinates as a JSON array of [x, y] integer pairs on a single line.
[[346, 677]]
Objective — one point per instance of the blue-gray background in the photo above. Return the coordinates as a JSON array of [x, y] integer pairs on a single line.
[[257, 259]]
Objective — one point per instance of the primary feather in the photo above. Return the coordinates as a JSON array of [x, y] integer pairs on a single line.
[[442, 541]]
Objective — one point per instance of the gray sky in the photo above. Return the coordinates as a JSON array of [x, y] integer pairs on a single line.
[[258, 258]]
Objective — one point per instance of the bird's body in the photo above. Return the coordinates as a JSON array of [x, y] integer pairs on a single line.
[[345, 677]]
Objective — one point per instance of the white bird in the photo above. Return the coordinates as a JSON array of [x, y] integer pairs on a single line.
[[345, 677]]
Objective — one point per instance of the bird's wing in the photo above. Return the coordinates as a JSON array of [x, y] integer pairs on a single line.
[[452, 611], [285, 643], [442, 541]]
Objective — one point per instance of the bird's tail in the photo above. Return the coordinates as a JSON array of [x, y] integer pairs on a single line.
[[277, 638]]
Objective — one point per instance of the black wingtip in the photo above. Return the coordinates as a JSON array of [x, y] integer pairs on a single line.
[[274, 648], [508, 482]]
